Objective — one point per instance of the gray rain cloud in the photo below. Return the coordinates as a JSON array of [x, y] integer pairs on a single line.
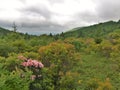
[[108, 9], [37, 11], [44, 17]]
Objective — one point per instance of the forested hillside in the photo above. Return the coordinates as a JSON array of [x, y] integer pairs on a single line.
[[97, 30], [3, 31], [86, 58]]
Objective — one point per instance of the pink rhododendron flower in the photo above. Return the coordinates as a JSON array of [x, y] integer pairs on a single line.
[[25, 64], [41, 65], [30, 62]]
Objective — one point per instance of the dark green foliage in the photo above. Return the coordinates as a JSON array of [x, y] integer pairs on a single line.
[[98, 40], [50, 35], [4, 31], [86, 58], [5, 49], [98, 30]]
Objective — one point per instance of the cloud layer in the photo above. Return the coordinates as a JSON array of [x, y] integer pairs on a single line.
[[55, 16]]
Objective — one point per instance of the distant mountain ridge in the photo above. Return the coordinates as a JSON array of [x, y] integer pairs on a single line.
[[4, 31], [97, 30]]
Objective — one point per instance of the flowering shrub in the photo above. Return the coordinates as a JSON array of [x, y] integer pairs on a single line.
[[34, 66], [30, 62], [33, 63], [59, 58]]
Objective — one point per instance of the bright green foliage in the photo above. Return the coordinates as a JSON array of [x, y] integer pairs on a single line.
[[59, 58], [78, 43], [13, 81], [57, 53], [96, 84], [94, 31], [11, 62], [5, 49], [32, 55], [68, 81], [11, 77], [86, 58]]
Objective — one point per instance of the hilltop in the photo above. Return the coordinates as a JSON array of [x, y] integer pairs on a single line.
[[4, 31], [97, 30]]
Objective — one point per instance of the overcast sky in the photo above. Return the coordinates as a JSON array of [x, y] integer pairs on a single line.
[[55, 16]]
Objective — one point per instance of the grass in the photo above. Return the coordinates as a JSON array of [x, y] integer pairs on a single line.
[[95, 66]]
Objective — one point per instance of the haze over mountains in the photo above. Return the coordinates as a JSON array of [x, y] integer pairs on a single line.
[[96, 30]]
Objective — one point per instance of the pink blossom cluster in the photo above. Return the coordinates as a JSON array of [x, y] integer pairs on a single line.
[[30, 62], [33, 63]]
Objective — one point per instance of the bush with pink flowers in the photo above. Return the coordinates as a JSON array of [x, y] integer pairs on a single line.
[[30, 62], [34, 65]]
